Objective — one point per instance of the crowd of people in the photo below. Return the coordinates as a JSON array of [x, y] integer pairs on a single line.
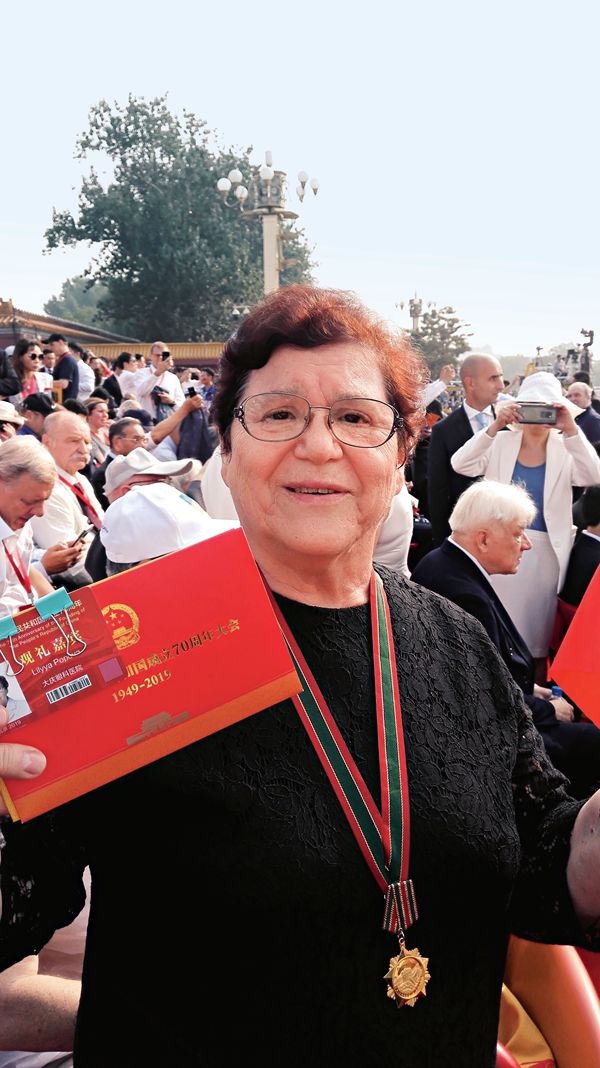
[[323, 438]]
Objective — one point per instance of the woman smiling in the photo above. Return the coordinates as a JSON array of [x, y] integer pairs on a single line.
[[248, 876]]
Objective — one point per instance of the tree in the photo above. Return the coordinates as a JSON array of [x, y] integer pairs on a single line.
[[78, 301], [173, 258], [440, 338]]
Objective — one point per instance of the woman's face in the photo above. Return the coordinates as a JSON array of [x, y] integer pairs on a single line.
[[99, 417], [274, 484], [32, 358]]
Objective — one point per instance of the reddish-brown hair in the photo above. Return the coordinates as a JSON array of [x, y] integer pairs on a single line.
[[308, 317]]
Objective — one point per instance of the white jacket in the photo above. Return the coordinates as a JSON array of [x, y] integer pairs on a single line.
[[569, 462]]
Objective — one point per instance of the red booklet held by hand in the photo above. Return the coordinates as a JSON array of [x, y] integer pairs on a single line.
[[123, 672]]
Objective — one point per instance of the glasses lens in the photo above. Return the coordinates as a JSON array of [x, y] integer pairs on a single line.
[[360, 422], [275, 416]]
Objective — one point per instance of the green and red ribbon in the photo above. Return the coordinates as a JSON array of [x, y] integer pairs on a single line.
[[384, 838]]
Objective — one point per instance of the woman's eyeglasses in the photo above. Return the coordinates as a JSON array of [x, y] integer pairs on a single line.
[[357, 421]]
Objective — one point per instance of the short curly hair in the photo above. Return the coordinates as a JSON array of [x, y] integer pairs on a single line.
[[308, 317]]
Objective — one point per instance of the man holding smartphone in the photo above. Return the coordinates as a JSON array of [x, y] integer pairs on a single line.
[[157, 385]]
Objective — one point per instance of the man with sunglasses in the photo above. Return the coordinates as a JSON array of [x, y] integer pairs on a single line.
[[157, 385]]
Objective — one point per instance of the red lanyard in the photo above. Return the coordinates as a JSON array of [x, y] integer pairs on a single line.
[[91, 511], [19, 570]]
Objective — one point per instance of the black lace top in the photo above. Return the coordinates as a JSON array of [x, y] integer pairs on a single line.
[[233, 915]]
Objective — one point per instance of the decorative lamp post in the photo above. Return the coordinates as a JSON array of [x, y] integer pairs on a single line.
[[415, 309], [267, 196]]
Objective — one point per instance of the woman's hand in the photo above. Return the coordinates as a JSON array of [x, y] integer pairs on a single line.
[[565, 421], [18, 761], [506, 413]]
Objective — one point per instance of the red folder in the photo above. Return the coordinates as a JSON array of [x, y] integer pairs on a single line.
[[125, 671]]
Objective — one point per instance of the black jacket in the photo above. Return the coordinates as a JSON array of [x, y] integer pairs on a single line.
[[9, 381], [98, 481], [444, 485], [449, 572], [111, 385], [585, 557]]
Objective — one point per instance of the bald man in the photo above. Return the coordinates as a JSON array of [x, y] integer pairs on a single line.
[[481, 376]]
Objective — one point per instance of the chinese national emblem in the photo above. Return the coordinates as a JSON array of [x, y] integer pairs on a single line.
[[408, 976], [123, 623]]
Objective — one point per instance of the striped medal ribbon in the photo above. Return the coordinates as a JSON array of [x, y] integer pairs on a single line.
[[384, 838]]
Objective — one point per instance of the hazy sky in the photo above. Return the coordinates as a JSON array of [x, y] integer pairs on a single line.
[[456, 144]]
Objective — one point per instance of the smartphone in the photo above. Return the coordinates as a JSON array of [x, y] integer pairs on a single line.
[[532, 412], [84, 534]]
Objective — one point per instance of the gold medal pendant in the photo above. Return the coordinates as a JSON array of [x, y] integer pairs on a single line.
[[408, 976]]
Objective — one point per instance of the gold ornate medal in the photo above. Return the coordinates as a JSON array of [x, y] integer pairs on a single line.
[[408, 976]]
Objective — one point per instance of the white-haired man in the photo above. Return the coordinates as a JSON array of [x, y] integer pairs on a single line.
[[73, 511], [158, 383], [27, 478], [489, 537]]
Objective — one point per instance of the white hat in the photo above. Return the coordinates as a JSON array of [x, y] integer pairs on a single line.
[[154, 520], [140, 462], [9, 414], [545, 389]]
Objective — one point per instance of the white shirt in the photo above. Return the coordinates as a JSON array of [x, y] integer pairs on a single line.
[[13, 596], [126, 382], [471, 557], [145, 381], [472, 415], [432, 390], [87, 381], [63, 519]]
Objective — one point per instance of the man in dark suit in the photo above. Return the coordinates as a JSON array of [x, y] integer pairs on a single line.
[[585, 554], [124, 436], [481, 376], [482, 544]]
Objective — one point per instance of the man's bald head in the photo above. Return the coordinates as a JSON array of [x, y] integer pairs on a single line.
[[481, 376], [67, 438]]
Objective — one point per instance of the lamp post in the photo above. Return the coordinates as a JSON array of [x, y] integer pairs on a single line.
[[267, 196], [415, 310]]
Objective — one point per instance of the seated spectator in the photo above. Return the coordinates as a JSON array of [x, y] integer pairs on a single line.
[[27, 478], [98, 420], [35, 409], [76, 407], [488, 525], [589, 421], [138, 467], [151, 521], [585, 554], [26, 360], [10, 421], [72, 512], [124, 435]]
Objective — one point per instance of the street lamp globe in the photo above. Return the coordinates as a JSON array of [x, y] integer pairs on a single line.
[[235, 177], [223, 185], [266, 173], [314, 185], [241, 193]]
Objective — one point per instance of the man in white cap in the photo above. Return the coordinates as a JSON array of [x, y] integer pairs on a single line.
[[137, 468], [10, 421], [151, 521]]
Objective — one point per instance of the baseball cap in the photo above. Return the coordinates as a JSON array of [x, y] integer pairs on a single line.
[[39, 402], [54, 337], [140, 462], [8, 414], [154, 520]]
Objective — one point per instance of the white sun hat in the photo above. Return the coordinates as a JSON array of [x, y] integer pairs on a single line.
[[544, 388], [154, 520]]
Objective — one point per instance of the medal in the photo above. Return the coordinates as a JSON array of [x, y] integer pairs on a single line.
[[383, 837], [408, 976]]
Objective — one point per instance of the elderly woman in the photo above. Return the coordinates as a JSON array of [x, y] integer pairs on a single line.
[[548, 462], [235, 916]]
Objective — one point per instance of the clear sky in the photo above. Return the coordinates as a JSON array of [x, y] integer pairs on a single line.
[[455, 143]]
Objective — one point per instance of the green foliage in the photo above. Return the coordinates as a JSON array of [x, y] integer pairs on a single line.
[[172, 256], [78, 301], [440, 338]]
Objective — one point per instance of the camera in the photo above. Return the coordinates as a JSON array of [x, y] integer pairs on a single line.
[[534, 412]]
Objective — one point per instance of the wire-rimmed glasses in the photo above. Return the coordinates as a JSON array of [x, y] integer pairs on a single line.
[[361, 422]]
